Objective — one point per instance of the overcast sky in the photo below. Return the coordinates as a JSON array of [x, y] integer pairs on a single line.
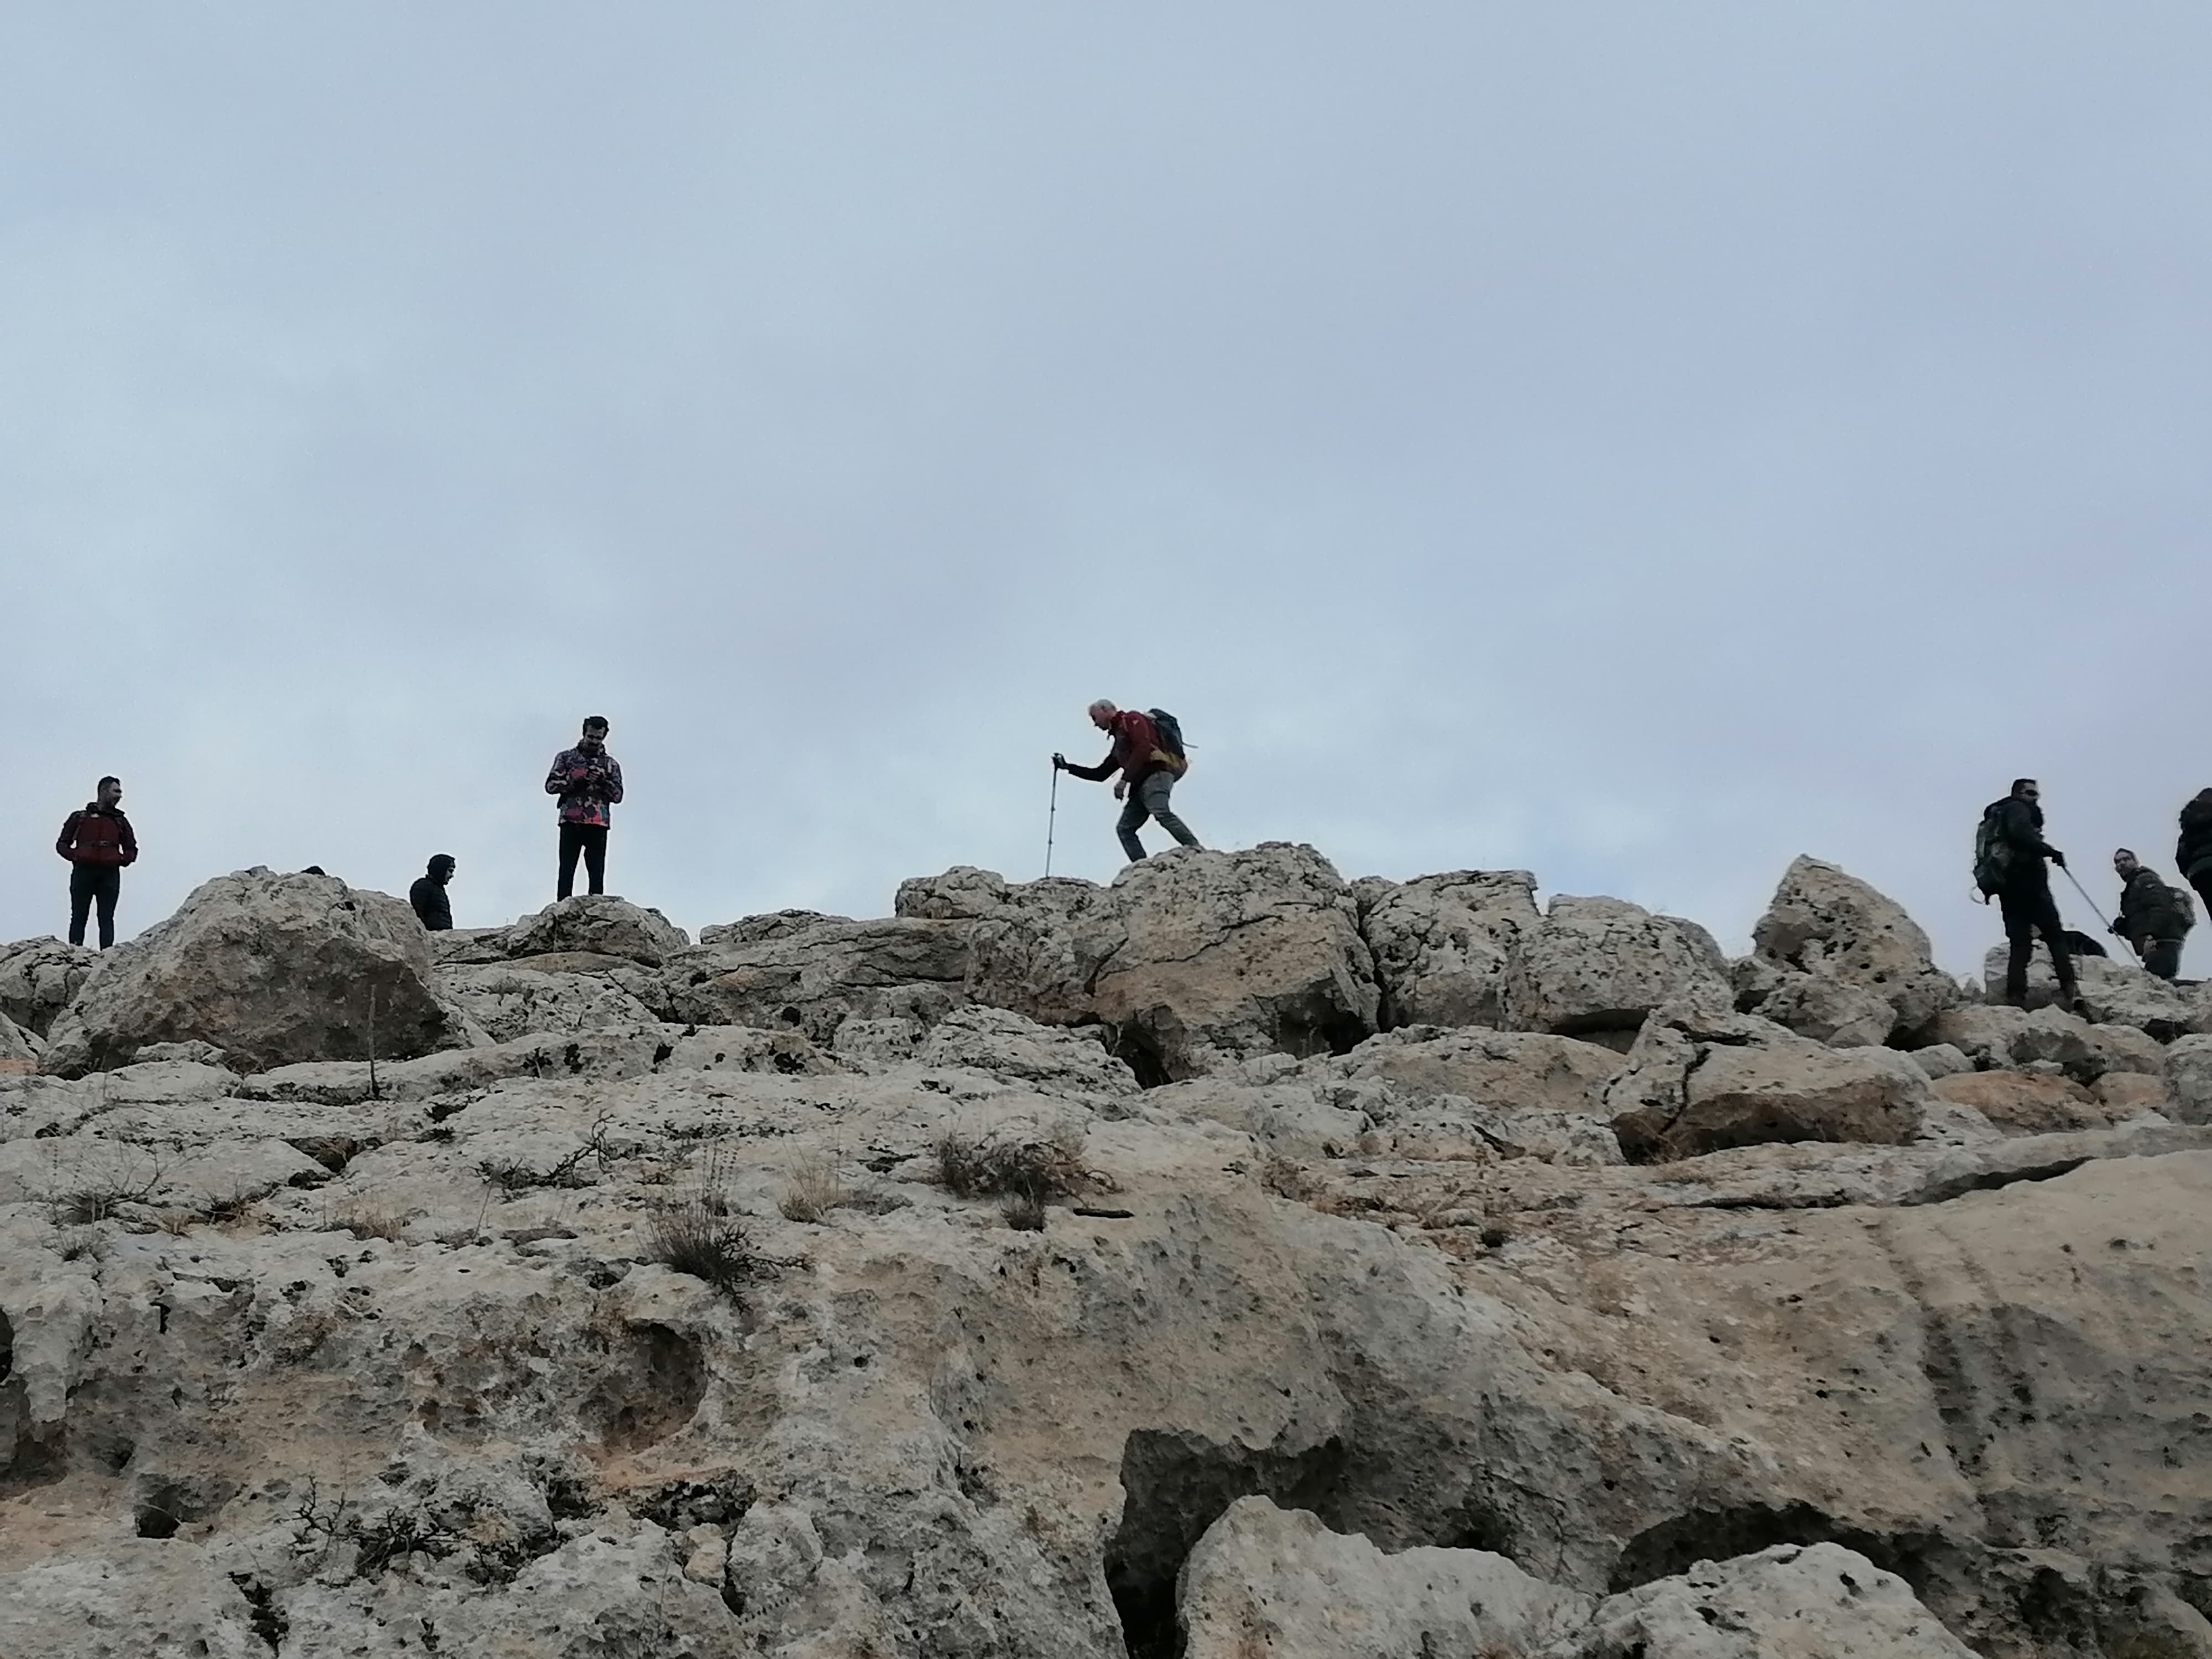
[[1634, 443]]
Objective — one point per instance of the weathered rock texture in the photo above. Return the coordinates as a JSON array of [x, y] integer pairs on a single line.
[[1833, 948], [39, 977], [270, 968], [945, 1292]]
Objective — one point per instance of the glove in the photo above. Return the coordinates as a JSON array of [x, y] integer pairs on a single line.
[[1058, 762], [2058, 858], [2119, 928]]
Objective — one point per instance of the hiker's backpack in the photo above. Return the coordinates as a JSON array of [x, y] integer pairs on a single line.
[[2184, 906], [1993, 853], [1168, 730]]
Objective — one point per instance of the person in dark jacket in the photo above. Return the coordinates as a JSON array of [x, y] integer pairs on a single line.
[[589, 781], [2192, 854], [2025, 893], [1148, 773], [97, 842], [431, 907], [2150, 916]]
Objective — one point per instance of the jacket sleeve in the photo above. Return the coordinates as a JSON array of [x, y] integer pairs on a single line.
[[1099, 773], [610, 789], [67, 840], [556, 779], [130, 843]]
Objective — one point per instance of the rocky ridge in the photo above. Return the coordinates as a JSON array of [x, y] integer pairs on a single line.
[[1231, 1261]]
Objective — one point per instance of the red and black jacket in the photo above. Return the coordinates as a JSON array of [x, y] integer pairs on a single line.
[[98, 834]]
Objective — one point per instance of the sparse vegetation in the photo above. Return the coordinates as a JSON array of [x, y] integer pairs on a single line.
[[815, 1188], [511, 1177], [363, 1221], [1035, 1167], [697, 1233], [1023, 1212], [92, 1188]]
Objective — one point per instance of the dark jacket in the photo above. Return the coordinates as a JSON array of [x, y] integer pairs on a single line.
[[97, 834], [2147, 910], [587, 785], [428, 896], [2192, 855], [1137, 753], [2020, 823]]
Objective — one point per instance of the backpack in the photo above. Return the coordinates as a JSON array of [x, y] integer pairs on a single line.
[[1168, 730], [1993, 853], [2184, 907]]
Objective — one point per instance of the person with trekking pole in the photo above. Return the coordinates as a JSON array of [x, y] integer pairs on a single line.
[[2009, 854], [2154, 917], [1148, 752], [2192, 854]]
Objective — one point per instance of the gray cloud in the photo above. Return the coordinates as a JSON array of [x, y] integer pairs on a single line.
[[1635, 444]]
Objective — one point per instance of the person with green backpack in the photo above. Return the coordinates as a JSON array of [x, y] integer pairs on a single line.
[[1148, 752], [2152, 916], [2009, 854]]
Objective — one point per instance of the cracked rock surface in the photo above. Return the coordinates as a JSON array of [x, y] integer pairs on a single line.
[[1057, 1270]]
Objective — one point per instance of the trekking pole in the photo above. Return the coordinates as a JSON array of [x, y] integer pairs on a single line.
[[2093, 910], [1051, 820]]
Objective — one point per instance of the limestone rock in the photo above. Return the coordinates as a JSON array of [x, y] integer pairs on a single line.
[[998, 1040], [2025, 1102], [1821, 1006], [1602, 964], [1832, 927], [2113, 992], [1787, 1602], [1939, 1060], [2130, 1094], [1270, 1581], [1696, 1082], [2000, 1038], [601, 924], [1441, 943], [39, 977], [19, 1049], [802, 971], [271, 968], [2188, 1074], [507, 1002]]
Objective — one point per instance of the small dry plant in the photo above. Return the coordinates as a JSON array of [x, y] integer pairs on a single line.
[[695, 1233], [815, 1188], [92, 1186], [1025, 1172], [363, 1221]]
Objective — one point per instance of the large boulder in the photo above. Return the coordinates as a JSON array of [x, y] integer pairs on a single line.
[[599, 924], [2188, 1073], [1197, 960], [1441, 943], [1203, 958], [2000, 1038], [1696, 1082], [506, 1001], [270, 968], [1817, 1006], [800, 971], [1826, 925], [1601, 965], [2026, 1102], [39, 977]]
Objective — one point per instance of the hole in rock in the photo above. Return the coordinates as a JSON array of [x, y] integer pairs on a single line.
[[1308, 1034], [1135, 1049], [1676, 1544], [1176, 1485], [655, 1387], [161, 1509], [268, 1618]]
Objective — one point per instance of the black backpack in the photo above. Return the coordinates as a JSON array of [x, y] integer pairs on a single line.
[[1170, 731], [1993, 852]]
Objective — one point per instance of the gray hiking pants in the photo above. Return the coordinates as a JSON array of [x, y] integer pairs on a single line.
[[1149, 799]]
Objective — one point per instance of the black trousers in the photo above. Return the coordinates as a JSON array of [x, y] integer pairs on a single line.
[[2162, 956], [90, 883], [590, 840], [2028, 912]]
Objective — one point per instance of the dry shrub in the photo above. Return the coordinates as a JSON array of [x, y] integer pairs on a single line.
[[94, 1186], [1036, 1166], [1023, 1212], [364, 1222], [814, 1190], [695, 1233]]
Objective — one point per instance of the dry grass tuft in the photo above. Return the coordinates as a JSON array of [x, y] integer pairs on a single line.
[[1023, 1211], [814, 1190], [363, 1221]]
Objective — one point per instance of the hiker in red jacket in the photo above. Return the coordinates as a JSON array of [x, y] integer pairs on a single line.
[[1149, 763], [97, 842], [589, 782]]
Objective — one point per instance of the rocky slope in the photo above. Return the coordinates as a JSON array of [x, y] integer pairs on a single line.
[[1229, 1261]]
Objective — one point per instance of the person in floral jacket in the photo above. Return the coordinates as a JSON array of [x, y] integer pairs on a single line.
[[589, 781]]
